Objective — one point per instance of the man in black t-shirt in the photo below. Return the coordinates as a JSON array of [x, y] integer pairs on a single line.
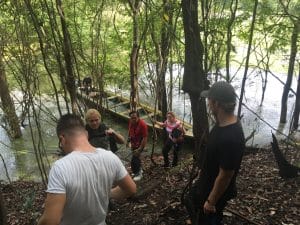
[[99, 135], [216, 184]]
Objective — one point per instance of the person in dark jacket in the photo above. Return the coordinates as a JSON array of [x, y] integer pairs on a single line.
[[99, 134]]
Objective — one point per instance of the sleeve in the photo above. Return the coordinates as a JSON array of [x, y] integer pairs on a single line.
[[119, 168], [56, 182], [229, 155]]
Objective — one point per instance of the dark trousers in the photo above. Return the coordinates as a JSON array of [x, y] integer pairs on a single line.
[[166, 149], [136, 162], [194, 203]]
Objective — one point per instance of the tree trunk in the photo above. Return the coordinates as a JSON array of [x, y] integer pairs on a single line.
[[8, 106], [194, 78], [233, 9], [247, 58], [163, 49], [134, 55], [67, 51], [297, 105], [289, 78], [43, 50]]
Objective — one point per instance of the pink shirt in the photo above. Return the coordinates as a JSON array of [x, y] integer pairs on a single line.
[[171, 126]]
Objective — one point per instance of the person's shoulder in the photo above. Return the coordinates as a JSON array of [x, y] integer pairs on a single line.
[[232, 134], [102, 126], [142, 122], [104, 152], [88, 128], [60, 162], [178, 122]]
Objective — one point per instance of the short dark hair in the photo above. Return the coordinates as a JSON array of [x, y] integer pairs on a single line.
[[69, 123], [134, 112], [227, 107]]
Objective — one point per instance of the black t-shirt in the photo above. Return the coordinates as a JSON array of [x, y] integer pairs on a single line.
[[224, 149], [97, 137]]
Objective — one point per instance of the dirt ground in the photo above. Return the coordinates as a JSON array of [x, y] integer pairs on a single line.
[[263, 197]]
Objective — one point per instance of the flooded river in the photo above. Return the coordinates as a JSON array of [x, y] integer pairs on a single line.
[[19, 154]]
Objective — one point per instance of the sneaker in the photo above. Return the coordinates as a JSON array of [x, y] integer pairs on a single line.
[[138, 176]]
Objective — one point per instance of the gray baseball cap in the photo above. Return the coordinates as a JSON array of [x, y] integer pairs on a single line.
[[220, 91]]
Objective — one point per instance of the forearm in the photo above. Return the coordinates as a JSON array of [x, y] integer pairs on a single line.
[[119, 138], [220, 186], [159, 124], [143, 143], [118, 194], [42, 221], [183, 129], [46, 221]]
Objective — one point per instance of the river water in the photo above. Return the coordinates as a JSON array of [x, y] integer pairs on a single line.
[[19, 154]]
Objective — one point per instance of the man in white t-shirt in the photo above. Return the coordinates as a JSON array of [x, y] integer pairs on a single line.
[[80, 184]]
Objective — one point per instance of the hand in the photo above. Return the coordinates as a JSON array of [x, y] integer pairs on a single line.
[[109, 132], [209, 208], [136, 152]]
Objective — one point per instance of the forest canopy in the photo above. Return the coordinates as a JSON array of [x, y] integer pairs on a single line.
[[49, 46]]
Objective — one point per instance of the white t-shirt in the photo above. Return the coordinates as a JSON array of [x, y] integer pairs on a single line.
[[86, 179]]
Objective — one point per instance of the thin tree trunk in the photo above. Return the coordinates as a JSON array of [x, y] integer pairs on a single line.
[[7, 103], [134, 55], [43, 51], [233, 9], [162, 52], [194, 79], [67, 50], [247, 58], [170, 94], [297, 105], [57, 36], [289, 78]]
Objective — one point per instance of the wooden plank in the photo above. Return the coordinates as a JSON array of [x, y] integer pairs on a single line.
[[119, 104], [149, 112]]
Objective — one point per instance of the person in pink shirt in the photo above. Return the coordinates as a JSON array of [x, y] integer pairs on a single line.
[[175, 132]]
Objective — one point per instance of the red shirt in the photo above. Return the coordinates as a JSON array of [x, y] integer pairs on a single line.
[[137, 132]]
